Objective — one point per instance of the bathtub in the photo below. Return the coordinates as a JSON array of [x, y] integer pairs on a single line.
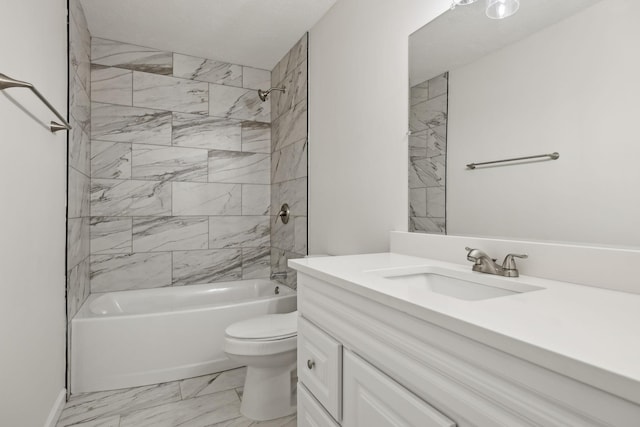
[[133, 338]]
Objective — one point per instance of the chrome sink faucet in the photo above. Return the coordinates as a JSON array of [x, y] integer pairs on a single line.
[[483, 263]]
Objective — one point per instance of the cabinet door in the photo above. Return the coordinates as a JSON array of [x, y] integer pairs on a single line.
[[371, 399], [310, 412], [320, 365]]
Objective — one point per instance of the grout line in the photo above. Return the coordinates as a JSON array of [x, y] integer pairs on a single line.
[[81, 173], [202, 115], [151, 50], [132, 86], [180, 386]]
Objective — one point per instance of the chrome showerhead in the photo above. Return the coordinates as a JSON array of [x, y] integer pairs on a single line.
[[264, 94]]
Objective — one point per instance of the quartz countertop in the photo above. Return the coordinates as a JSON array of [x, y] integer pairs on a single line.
[[586, 333]]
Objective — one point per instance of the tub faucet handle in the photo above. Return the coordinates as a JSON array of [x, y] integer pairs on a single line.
[[284, 213]]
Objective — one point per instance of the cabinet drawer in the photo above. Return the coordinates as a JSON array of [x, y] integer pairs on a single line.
[[375, 400], [320, 366], [310, 413]]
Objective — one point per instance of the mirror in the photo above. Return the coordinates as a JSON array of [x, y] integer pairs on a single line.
[[558, 76]]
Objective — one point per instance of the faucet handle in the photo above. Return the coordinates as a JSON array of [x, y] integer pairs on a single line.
[[470, 254], [509, 262], [474, 255]]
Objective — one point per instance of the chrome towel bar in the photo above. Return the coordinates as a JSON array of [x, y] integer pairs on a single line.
[[7, 82], [551, 156]]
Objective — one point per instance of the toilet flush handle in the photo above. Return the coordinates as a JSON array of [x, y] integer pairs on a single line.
[[310, 364]]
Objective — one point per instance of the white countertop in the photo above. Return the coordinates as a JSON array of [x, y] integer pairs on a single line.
[[586, 333]]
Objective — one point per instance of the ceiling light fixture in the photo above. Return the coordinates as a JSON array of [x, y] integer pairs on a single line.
[[500, 9], [496, 9]]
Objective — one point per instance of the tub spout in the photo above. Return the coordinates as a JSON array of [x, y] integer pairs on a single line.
[[279, 275]]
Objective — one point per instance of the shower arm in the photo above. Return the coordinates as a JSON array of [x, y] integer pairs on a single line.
[[263, 94]]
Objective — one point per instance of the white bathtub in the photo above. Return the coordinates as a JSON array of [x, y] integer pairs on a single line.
[[132, 338]]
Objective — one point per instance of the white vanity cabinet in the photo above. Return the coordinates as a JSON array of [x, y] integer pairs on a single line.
[[320, 366], [331, 376], [375, 400], [363, 363], [310, 412]]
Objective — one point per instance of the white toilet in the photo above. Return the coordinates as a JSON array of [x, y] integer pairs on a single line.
[[268, 346]]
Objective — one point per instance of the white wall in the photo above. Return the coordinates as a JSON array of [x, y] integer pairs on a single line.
[[580, 264], [358, 119], [571, 88], [32, 243]]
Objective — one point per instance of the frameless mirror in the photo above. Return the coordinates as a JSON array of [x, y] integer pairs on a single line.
[[558, 76]]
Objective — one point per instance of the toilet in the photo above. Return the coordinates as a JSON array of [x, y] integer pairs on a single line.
[[268, 346]]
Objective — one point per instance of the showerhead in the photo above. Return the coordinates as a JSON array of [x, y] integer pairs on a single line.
[[264, 94]]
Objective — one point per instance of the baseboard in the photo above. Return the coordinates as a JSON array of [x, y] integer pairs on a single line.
[[56, 409]]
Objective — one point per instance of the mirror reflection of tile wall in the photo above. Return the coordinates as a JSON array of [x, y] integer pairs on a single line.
[[427, 155]]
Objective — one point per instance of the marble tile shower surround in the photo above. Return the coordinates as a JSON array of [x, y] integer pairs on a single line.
[[289, 159], [427, 155], [78, 165], [210, 400], [180, 168], [78, 161]]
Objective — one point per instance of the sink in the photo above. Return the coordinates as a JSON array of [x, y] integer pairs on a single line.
[[463, 285]]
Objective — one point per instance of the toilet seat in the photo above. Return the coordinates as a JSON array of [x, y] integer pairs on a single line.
[[263, 335], [270, 327], [246, 347]]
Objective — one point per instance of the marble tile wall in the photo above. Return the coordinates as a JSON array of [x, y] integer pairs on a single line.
[[78, 163], [180, 169], [289, 160], [427, 155]]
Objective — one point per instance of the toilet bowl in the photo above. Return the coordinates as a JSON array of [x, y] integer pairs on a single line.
[[268, 346]]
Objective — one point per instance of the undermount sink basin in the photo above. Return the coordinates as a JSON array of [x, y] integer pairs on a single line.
[[470, 286]]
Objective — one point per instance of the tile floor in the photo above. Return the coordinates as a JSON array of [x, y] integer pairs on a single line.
[[207, 401]]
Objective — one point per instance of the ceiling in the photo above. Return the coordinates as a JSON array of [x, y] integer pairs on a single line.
[[255, 33]]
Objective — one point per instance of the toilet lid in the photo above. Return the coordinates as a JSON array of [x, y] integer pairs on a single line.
[[271, 326]]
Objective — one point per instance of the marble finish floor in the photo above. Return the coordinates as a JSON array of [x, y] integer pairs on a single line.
[[206, 401]]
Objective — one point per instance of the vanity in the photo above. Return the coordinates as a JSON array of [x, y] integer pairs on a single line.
[[523, 131], [397, 340]]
